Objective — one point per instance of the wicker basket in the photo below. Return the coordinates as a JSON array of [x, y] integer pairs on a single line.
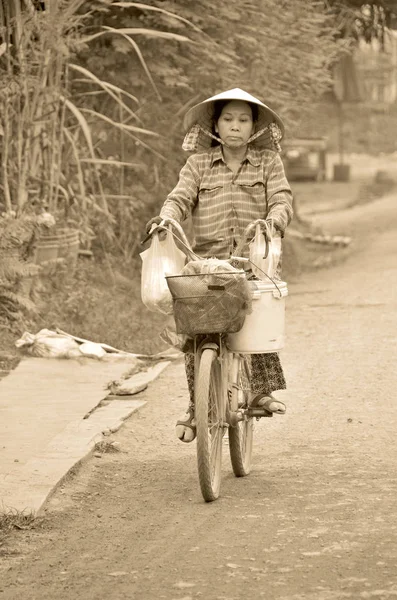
[[210, 303]]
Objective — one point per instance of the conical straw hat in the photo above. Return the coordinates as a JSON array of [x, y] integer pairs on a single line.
[[202, 113]]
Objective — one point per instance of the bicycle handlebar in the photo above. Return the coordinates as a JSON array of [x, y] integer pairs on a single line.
[[164, 226], [167, 225]]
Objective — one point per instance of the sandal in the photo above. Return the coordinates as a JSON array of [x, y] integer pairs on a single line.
[[266, 403], [186, 429]]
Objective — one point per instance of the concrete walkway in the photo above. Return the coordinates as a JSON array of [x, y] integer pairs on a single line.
[[50, 420]]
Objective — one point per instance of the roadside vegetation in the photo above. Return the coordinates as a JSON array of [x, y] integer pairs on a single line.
[[13, 520]]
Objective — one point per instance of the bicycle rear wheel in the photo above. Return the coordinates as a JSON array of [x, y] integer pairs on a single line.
[[241, 435], [209, 414]]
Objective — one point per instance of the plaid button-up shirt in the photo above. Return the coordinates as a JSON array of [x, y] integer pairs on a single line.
[[223, 203]]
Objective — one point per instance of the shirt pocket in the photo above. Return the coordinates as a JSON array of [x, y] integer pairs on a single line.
[[253, 189], [209, 187], [210, 197], [210, 210]]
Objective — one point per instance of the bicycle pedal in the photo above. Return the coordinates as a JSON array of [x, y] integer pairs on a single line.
[[259, 412]]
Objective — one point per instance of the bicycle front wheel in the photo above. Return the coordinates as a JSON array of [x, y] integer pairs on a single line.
[[209, 414], [241, 435]]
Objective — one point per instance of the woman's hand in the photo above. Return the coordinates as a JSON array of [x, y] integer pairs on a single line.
[[153, 221], [273, 230]]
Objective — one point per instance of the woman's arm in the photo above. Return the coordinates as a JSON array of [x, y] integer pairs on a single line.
[[182, 199], [279, 197]]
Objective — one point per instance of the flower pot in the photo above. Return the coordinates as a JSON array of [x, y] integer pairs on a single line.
[[46, 249], [63, 243], [68, 248]]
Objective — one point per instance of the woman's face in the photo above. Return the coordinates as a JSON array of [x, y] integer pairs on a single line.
[[235, 124]]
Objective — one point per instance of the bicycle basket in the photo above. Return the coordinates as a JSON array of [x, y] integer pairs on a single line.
[[210, 302]]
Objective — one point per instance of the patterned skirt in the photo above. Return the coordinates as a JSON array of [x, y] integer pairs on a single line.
[[265, 369]]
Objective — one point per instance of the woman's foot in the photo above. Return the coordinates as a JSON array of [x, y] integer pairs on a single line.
[[269, 403], [186, 427]]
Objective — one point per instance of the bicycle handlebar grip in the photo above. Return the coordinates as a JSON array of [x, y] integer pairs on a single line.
[[247, 231]]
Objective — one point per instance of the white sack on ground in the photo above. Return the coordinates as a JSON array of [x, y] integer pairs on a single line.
[[48, 344]]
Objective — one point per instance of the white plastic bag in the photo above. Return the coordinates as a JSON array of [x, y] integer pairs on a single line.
[[162, 258], [262, 266]]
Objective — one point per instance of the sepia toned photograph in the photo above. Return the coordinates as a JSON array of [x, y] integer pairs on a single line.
[[198, 300]]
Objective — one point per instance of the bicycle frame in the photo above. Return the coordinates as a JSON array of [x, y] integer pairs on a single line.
[[216, 343]]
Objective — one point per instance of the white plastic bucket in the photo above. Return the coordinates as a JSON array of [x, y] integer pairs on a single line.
[[264, 329]]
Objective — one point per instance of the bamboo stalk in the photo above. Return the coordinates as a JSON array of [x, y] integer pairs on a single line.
[[17, 28], [165, 354], [122, 149], [80, 174], [56, 139], [37, 111], [25, 141], [61, 133], [6, 139], [6, 128], [104, 346], [60, 75]]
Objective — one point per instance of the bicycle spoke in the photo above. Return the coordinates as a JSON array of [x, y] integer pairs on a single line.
[[209, 424], [241, 435], [215, 450]]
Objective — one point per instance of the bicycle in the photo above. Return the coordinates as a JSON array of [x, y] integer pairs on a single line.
[[221, 392]]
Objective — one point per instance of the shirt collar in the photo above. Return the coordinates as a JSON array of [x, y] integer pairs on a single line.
[[253, 155], [216, 154]]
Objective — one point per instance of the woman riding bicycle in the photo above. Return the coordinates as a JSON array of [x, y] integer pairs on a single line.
[[234, 177]]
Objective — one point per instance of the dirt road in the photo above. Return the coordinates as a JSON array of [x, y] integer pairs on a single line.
[[316, 519]]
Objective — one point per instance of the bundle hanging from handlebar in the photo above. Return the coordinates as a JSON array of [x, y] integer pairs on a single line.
[[162, 258], [265, 252]]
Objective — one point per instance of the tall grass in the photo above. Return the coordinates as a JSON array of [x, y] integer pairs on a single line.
[[51, 132]]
